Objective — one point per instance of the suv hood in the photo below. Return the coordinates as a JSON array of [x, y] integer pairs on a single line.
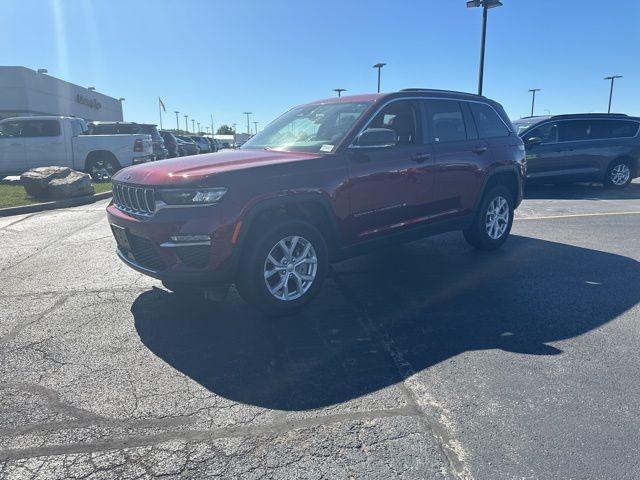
[[187, 170]]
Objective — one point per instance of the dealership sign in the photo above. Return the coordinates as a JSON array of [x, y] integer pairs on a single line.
[[89, 102]]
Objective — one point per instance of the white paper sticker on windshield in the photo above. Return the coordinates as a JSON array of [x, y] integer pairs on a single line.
[[326, 148]]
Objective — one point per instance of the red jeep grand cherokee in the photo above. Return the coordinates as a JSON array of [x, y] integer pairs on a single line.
[[316, 185]]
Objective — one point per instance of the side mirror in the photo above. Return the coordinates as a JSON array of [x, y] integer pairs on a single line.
[[533, 141], [377, 137]]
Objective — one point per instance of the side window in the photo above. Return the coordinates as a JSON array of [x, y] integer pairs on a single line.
[[128, 129], [10, 129], [488, 122], [548, 133], [41, 128], [622, 128], [446, 121], [400, 117], [574, 130]]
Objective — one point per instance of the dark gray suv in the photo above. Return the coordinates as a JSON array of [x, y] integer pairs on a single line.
[[581, 147]]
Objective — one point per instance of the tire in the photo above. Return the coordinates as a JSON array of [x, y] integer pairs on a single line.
[[489, 237], [301, 282], [102, 168], [619, 174]]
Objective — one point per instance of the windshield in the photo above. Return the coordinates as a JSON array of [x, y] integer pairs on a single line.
[[309, 128]]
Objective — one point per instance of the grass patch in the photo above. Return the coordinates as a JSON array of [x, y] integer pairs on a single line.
[[15, 195]]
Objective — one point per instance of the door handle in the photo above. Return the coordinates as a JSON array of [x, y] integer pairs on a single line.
[[479, 150], [421, 157]]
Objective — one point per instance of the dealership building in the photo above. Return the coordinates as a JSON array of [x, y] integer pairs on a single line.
[[26, 92]]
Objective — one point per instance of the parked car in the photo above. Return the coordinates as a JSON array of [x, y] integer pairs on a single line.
[[188, 145], [203, 144], [356, 171], [127, 128], [582, 147], [212, 144], [170, 143], [42, 141]]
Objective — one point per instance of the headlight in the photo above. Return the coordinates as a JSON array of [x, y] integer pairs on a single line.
[[200, 196]]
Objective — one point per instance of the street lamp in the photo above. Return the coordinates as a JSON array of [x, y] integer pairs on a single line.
[[255, 127], [177, 122], [121, 99], [339, 90], [193, 125], [612, 78], [379, 67], [486, 5], [248, 127], [186, 124], [198, 127], [533, 98]]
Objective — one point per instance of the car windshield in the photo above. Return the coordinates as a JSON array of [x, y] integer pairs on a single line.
[[309, 128]]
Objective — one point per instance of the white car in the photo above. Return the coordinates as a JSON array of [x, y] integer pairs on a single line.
[[42, 141]]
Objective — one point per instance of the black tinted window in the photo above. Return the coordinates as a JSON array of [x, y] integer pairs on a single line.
[[575, 130], [128, 129], [613, 129], [548, 133], [10, 129], [104, 130], [446, 120], [40, 128], [488, 122]]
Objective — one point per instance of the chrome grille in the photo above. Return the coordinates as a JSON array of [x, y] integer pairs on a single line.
[[134, 199]]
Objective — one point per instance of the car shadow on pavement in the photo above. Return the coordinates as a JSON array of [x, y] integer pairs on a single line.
[[390, 314], [581, 191]]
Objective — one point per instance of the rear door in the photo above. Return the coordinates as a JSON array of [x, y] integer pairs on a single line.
[[12, 156], [458, 156], [44, 145]]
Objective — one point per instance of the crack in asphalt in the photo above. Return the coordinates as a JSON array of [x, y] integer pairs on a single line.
[[449, 447]]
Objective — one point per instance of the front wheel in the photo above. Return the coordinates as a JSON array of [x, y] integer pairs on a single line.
[[491, 227], [284, 268], [618, 174]]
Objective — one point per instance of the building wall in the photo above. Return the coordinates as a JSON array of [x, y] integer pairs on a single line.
[[25, 92]]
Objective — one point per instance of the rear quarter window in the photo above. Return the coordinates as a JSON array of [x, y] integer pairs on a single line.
[[489, 124]]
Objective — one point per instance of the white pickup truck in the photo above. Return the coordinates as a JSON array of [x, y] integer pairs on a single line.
[[42, 141]]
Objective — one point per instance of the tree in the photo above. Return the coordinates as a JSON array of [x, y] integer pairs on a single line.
[[224, 130]]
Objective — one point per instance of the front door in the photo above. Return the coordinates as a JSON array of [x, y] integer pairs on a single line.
[[383, 182], [43, 143], [12, 156]]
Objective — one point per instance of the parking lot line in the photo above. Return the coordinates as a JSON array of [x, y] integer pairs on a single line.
[[571, 215]]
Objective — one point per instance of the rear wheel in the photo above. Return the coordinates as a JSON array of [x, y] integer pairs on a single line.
[[491, 227], [618, 174], [284, 268], [102, 168]]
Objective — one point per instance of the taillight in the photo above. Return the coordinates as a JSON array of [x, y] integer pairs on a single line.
[[137, 145]]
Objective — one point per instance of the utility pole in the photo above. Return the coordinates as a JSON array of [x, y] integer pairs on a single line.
[[247, 114], [177, 122], [186, 123], [533, 98], [340, 90], [612, 78], [379, 67], [486, 5]]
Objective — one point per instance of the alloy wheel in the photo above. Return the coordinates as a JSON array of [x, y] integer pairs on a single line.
[[497, 218], [290, 268], [620, 174]]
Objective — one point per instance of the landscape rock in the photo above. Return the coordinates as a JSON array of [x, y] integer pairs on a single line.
[[56, 183]]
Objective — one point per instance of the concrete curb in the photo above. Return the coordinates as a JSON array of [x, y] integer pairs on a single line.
[[40, 207]]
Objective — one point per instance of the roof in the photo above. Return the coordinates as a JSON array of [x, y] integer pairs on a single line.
[[373, 97]]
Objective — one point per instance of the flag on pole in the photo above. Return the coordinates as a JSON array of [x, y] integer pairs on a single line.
[[162, 104]]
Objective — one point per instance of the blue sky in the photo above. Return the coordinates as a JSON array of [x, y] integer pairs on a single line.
[[228, 57]]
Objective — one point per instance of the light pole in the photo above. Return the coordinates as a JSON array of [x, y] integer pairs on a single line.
[[186, 124], [533, 98], [247, 114], [379, 67], [486, 5], [121, 107], [198, 128], [177, 121], [193, 125], [612, 78], [255, 127], [339, 90]]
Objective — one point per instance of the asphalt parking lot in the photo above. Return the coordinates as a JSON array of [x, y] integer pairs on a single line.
[[428, 360]]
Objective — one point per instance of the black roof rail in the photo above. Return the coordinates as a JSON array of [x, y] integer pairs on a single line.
[[580, 115], [418, 89]]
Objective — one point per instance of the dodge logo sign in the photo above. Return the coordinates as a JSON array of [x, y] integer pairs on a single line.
[[89, 102]]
